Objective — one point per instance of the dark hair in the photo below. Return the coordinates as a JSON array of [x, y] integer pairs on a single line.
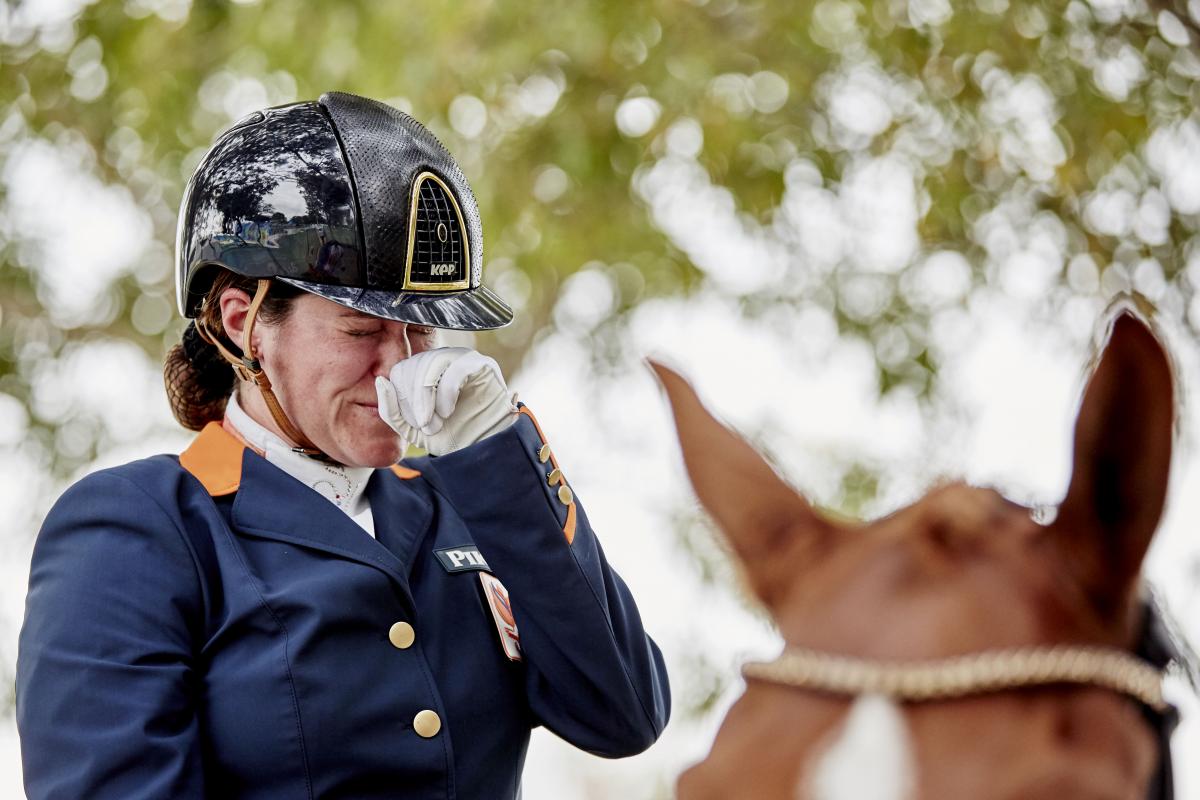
[[198, 378]]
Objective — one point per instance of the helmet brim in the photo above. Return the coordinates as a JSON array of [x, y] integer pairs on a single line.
[[478, 309]]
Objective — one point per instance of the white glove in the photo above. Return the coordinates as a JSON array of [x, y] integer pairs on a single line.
[[445, 399]]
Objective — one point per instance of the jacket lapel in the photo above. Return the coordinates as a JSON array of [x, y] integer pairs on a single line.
[[271, 504], [402, 515]]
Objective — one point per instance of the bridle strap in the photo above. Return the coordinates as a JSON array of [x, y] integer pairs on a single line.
[[979, 673], [249, 369]]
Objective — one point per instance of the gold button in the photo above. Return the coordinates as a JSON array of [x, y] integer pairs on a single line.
[[554, 477], [544, 453], [427, 724], [565, 495], [402, 635]]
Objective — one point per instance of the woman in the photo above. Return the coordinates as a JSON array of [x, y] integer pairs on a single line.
[[279, 612]]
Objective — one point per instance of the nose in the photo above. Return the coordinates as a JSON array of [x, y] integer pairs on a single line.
[[395, 346]]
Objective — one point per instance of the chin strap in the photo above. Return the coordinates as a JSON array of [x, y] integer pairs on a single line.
[[248, 369]]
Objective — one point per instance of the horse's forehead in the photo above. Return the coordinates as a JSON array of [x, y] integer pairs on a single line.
[[957, 508]]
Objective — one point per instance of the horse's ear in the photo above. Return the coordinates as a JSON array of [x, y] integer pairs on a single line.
[[762, 517], [1122, 458]]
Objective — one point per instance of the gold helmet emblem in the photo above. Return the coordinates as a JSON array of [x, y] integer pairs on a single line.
[[439, 254]]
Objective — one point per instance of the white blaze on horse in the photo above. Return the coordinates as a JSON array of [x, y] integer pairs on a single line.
[[986, 655]]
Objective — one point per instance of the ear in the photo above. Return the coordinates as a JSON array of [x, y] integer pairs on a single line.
[[1122, 459], [235, 304], [762, 517]]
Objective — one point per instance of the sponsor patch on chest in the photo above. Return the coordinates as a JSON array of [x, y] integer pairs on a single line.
[[502, 615], [461, 559]]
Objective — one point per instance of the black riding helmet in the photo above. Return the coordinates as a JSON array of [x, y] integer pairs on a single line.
[[346, 198]]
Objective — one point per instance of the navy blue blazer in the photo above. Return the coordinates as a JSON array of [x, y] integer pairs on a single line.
[[209, 627]]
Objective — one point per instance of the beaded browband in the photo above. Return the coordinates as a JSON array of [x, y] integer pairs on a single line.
[[979, 673]]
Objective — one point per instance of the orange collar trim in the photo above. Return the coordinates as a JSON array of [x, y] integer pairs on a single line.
[[215, 459], [404, 473]]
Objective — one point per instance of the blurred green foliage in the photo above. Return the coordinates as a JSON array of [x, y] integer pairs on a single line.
[[1016, 122]]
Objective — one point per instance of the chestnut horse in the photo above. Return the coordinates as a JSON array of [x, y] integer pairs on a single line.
[[958, 648]]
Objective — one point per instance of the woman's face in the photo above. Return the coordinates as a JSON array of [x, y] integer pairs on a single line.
[[322, 361]]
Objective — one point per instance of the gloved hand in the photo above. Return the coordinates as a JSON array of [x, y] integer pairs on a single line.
[[445, 399]]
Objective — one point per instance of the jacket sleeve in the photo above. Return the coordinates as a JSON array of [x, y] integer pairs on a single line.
[[593, 675], [104, 678]]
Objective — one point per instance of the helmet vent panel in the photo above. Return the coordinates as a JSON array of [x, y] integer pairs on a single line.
[[438, 252]]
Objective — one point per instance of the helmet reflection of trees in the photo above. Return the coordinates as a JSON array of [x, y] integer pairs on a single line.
[[310, 163]]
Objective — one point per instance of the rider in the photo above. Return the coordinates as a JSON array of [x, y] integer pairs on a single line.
[[282, 611]]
